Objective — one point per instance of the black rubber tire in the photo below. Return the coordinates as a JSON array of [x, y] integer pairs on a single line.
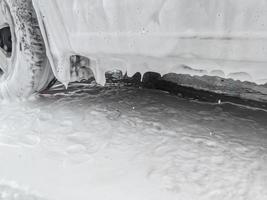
[[29, 71]]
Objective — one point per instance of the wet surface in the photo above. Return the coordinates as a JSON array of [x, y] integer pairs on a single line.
[[131, 143]]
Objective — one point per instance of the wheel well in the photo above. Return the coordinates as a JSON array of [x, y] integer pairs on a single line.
[[6, 40]]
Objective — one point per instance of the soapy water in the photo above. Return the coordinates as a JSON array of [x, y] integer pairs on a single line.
[[13, 192], [92, 142]]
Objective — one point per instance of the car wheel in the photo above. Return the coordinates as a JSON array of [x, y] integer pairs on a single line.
[[24, 66]]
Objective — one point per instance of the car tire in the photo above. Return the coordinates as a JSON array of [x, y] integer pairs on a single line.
[[27, 69]]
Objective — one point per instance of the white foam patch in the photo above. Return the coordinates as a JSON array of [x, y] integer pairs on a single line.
[[12, 191]]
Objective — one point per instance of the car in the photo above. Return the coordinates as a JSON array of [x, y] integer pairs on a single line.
[[68, 39]]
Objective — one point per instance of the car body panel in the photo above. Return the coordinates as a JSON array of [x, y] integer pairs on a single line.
[[157, 35]]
